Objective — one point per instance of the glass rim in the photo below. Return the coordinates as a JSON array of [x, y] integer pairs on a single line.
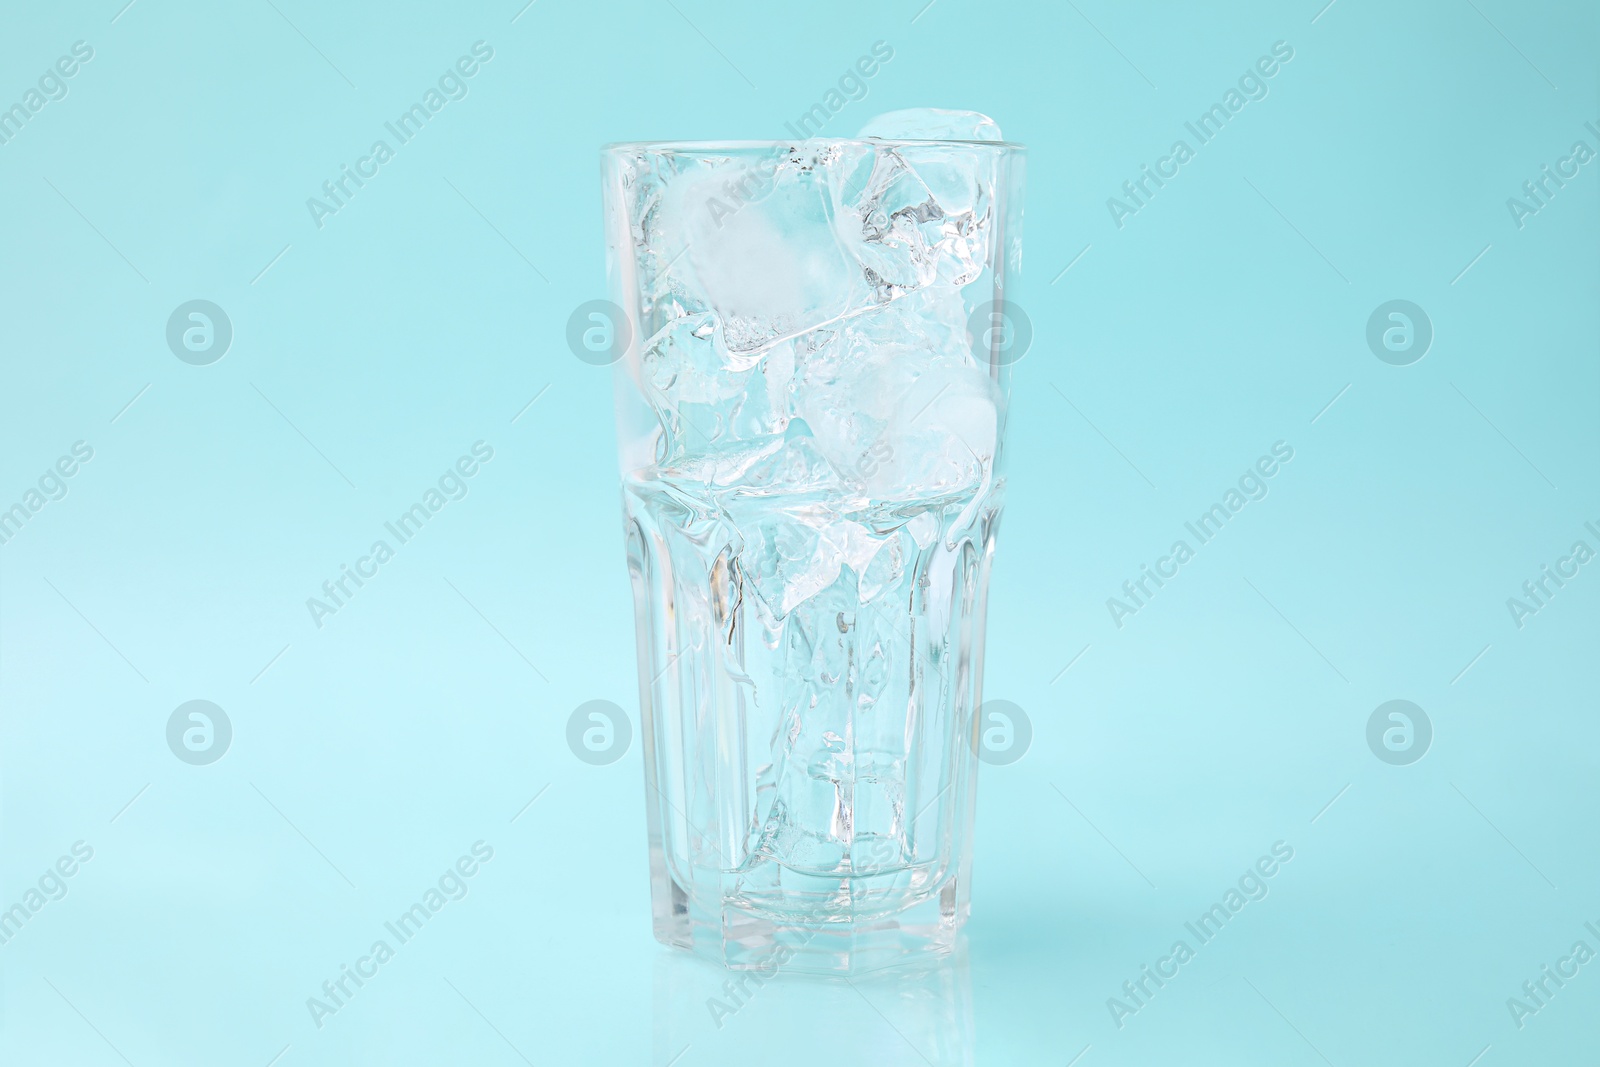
[[703, 147]]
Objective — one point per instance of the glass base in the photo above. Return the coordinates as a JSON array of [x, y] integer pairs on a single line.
[[743, 940]]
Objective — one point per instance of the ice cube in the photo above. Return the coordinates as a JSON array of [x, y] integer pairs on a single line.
[[896, 403], [892, 227], [759, 246], [931, 124], [920, 215], [793, 553]]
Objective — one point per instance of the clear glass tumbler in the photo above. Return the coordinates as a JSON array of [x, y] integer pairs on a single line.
[[813, 343]]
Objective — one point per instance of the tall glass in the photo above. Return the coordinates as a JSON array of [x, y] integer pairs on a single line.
[[813, 359]]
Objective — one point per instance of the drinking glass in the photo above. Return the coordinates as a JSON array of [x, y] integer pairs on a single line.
[[813, 344]]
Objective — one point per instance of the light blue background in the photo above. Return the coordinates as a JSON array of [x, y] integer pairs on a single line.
[[1225, 716]]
